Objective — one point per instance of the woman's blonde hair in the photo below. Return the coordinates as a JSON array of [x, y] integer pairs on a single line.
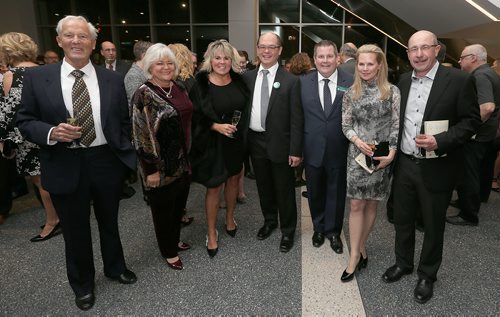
[[381, 77], [183, 56], [17, 47], [227, 49]]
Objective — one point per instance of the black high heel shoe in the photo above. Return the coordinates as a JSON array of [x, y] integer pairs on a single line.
[[232, 233], [346, 277], [213, 252], [55, 231], [363, 262]]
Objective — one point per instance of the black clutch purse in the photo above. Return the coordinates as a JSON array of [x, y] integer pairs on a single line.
[[381, 149]]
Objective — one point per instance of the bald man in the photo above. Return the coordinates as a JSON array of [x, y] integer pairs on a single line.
[[347, 54], [430, 92], [108, 51]]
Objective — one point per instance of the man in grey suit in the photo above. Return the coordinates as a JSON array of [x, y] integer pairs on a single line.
[[94, 170], [325, 146], [275, 139], [347, 55], [430, 93]]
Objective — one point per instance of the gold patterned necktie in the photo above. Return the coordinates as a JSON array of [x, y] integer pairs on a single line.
[[82, 109]]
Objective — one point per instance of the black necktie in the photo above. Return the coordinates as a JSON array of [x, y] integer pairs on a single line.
[[82, 108], [327, 97]]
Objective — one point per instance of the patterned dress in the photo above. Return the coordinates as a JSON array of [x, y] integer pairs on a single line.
[[371, 119], [27, 153]]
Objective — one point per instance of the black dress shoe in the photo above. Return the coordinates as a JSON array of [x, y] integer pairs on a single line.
[[55, 231], [346, 277], [423, 291], [305, 194], [286, 243], [318, 239], [394, 273], [85, 302], [265, 231], [127, 277], [336, 244], [213, 252], [459, 221]]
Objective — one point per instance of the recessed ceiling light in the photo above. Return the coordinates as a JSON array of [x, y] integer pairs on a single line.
[[483, 10], [123, 21]]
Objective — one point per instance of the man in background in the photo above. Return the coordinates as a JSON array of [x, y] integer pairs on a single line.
[[347, 55], [108, 51], [50, 57]]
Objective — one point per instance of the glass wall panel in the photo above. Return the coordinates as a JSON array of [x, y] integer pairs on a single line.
[[173, 34], [213, 11], [204, 35], [131, 11], [96, 11], [360, 35], [279, 11], [170, 11], [290, 37], [51, 11], [321, 11], [128, 37], [313, 34], [397, 60]]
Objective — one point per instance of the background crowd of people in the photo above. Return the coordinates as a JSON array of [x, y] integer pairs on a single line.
[[79, 131]]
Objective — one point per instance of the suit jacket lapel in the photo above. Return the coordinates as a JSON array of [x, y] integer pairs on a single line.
[[438, 87], [105, 95], [404, 87], [315, 93], [274, 91], [54, 92]]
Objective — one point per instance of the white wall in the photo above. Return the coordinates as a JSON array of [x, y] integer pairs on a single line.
[[243, 25]]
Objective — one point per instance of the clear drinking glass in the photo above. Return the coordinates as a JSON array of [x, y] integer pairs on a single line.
[[75, 144], [234, 121]]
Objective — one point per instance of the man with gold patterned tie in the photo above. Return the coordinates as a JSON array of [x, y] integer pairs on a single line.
[[82, 163], [108, 51]]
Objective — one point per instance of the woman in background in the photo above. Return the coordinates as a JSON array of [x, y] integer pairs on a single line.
[[218, 143], [19, 52], [161, 118], [370, 112]]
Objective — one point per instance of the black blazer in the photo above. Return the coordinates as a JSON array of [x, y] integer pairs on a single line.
[[324, 141], [285, 117], [42, 107], [452, 98]]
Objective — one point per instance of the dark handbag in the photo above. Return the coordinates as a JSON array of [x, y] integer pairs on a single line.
[[381, 149]]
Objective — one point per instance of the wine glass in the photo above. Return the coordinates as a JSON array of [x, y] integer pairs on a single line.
[[234, 121], [75, 144], [369, 159], [419, 135]]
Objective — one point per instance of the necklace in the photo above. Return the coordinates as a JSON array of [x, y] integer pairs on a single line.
[[168, 94]]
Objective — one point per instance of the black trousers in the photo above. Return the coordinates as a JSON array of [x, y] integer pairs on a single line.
[[167, 205], [469, 189], [326, 189], [275, 185], [410, 195], [100, 180], [7, 167]]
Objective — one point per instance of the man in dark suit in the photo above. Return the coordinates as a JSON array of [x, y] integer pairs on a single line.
[[108, 51], [430, 93], [275, 139], [347, 57], [93, 172], [325, 146], [476, 183]]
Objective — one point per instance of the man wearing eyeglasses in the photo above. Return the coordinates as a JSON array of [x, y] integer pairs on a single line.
[[108, 51], [478, 168], [429, 93], [275, 139]]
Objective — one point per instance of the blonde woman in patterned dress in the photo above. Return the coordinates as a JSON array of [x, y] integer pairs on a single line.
[[370, 113], [19, 52]]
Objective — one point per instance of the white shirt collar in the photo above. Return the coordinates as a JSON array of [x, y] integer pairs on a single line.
[[332, 78], [430, 74], [66, 68], [272, 70]]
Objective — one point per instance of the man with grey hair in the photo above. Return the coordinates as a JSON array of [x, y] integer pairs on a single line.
[[475, 187], [84, 162], [135, 75], [347, 56]]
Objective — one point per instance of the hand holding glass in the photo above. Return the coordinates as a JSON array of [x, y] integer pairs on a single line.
[[75, 144], [234, 121]]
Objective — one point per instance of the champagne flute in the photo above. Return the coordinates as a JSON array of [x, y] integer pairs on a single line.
[[234, 121], [75, 144], [373, 146]]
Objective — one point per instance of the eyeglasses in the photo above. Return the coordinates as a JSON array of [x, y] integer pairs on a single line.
[[423, 48], [464, 56], [269, 47]]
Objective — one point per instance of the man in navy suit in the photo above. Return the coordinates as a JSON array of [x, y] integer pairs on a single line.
[[325, 146], [275, 139], [108, 51], [76, 176]]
